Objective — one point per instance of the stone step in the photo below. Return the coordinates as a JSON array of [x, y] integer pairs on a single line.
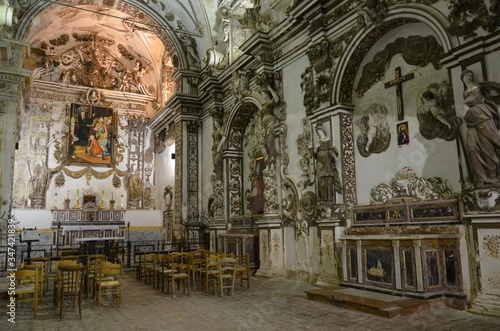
[[380, 304]]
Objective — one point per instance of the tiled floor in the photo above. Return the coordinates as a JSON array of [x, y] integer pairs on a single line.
[[269, 304]]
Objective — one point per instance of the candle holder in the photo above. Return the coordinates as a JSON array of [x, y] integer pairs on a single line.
[[55, 201], [102, 206], [77, 205], [66, 203]]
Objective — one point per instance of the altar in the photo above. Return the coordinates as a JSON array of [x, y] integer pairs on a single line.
[[70, 227], [410, 249]]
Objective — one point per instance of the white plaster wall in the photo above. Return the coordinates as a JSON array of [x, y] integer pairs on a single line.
[[33, 218], [290, 258], [164, 174], [143, 218], [429, 158], [295, 112]]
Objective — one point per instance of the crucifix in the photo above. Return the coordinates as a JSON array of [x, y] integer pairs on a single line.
[[398, 81]]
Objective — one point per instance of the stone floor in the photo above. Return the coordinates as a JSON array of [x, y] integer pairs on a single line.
[[270, 304]]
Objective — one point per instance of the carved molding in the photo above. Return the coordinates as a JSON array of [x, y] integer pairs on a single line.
[[407, 184], [234, 187], [347, 152], [305, 150], [484, 200]]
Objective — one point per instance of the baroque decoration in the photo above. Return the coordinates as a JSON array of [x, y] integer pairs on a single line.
[[415, 50], [375, 136], [87, 60], [407, 184], [436, 112]]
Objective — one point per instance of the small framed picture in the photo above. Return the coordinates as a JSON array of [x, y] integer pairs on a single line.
[[403, 133]]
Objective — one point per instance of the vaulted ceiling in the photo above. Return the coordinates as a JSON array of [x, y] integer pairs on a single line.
[[136, 45]]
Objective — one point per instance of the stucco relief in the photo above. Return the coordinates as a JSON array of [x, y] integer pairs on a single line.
[[235, 187], [415, 50], [491, 245], [375, 136], [347, 159], [406, 183], [436, 112], [87, 60], [305, 150]]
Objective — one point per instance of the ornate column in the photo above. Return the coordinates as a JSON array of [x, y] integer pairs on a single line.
[[13, 80], [186, 133]]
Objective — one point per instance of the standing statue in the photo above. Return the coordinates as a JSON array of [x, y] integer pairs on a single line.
[[271, 99], [326, 171], [39, 180], [167, 195], [219, 139], [483, 124], [134, 185]]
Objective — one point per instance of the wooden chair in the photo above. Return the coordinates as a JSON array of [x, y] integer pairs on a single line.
[[180, 267], [27, 283], [147, 268], [243, 269], [57, 276], [198, 258], [211, 271], [46, 262], [70, 286], [165, 262], [227, 274], [158, 269], [90, 272], [109, 282], [41, 275]]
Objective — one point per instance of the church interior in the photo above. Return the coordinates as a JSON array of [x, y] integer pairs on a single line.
[[338, 143]]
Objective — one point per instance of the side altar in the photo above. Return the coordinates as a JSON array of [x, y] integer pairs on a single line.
[[407, 248]]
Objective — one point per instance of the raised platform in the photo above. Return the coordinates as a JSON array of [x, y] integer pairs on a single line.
[[384, 305]]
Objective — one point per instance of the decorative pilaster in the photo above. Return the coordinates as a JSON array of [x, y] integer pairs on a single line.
[[330, 252], [13, 80], [176, 226], [271, 250], [192, 146]]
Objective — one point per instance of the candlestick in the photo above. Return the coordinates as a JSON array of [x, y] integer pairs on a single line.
[[102, 206], [55, 201], [77, 205], [122, 201]]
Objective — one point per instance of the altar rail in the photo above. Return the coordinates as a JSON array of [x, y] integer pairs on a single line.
[[127, 252]]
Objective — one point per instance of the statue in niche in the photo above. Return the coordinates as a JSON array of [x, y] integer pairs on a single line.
[[436, 114], [373, 12], [483, 123], [168, 196], [326, 171], [254, 20], [219, 139], [39, 180], [375, 134], [189, 44], [134, 185], [269, 121]]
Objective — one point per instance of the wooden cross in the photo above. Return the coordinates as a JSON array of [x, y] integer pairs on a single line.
[[398, 81]]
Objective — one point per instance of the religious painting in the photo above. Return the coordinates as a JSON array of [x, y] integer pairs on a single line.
[[90, 137], [378, 266], [403, 133]]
